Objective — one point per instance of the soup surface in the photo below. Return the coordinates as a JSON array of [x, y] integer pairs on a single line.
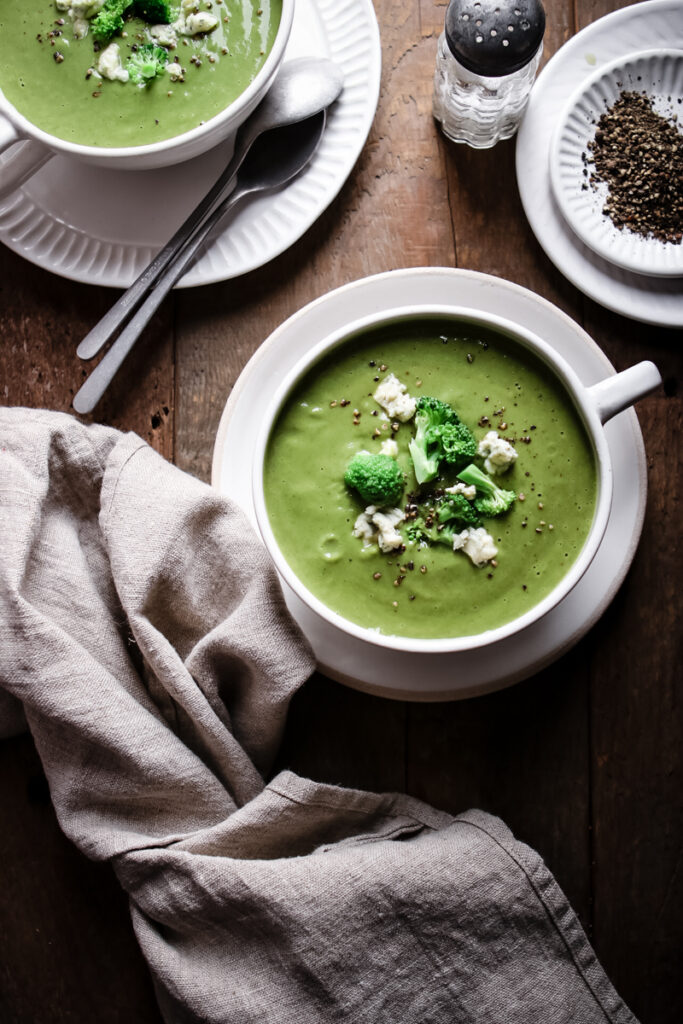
[[60, 95], [493, 384]]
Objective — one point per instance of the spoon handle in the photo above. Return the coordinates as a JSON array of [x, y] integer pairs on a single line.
[[128, 302], [92, 389]]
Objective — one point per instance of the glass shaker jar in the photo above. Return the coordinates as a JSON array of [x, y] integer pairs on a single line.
[[487, 59]]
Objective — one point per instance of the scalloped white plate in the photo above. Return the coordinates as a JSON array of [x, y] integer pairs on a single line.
[[659, 75], [400, 674], [103, 227], [654, 25]]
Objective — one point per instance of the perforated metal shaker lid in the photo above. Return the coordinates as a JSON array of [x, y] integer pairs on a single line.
[[494, 37]]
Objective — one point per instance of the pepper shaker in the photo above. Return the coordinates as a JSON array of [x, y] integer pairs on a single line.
[[487, 59]]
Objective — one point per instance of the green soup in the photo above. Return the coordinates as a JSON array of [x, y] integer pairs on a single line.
[[44, 72], [430, 592]]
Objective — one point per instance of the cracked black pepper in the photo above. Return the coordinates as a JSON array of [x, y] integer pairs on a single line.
[[638, 154]]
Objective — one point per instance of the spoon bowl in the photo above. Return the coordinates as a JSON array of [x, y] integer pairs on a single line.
[[278, 156], [303, 87]]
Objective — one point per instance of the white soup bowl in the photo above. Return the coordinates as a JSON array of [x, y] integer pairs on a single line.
[[594, 405]]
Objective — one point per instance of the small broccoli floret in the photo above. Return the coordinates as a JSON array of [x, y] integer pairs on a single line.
[[455, 509], [377, 478], [156, 12], [439, 522], [427, 446], [426, 531], [147, 63], [490, 500], [457, 442], [415, 531], [109, 21]]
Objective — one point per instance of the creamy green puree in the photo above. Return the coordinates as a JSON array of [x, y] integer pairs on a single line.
[[63, 98], [493, 384]]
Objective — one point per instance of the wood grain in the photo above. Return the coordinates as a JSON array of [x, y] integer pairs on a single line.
[[43, 319], [67, 949], [636, 712], [583, 761]]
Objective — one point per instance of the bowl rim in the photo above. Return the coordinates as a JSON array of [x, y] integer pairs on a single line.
[[230, 113], [585, 409]]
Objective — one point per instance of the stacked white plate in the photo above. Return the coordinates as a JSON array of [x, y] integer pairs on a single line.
[[628, 51]]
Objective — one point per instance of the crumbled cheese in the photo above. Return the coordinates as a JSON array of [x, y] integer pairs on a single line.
[[389, 447], [468, 491], [164, 35], [365, 528], [80, 27], [109, 64], [174, 70], [80, 11], [392, 395], [477, 544], [80, 8], [498, 453], [195, 23], [203, 21], [380, 526], [84, 8]]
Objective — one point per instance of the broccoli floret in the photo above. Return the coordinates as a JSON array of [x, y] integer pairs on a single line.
[[415, 531], [422, 531], [457, 442], [439, 437], [147, 63], [491, 500], [429, 414], [109, 21], [156, 12], [455, 509], [438, 523], [377, 478]]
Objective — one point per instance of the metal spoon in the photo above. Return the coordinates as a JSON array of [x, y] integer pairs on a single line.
[[303, 87], [273, 161]]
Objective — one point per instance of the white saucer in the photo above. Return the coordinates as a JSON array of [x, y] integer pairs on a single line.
[[655, 24], [442, 676], [103, 227], [658, 74]]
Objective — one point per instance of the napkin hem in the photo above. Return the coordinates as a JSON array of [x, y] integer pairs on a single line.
[[306, 792], [560, 913]]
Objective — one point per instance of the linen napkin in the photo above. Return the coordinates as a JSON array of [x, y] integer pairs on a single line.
[[143, 631]]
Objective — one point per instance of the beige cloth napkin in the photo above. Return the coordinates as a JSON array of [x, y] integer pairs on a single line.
[[143, 630]]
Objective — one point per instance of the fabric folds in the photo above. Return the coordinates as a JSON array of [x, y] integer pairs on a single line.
[[144, 634]]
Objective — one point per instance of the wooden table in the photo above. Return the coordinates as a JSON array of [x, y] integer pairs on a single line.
[[582, 761]]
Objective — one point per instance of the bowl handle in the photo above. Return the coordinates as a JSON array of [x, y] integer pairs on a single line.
[[613, 394], [16, 167]]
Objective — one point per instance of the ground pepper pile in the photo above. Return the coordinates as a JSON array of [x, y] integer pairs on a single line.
[[639, 155]]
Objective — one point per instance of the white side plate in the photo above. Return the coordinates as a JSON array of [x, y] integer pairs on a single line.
[[659, 75], [655, 24]]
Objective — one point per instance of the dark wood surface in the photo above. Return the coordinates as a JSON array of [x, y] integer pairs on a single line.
[[583, 760]]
